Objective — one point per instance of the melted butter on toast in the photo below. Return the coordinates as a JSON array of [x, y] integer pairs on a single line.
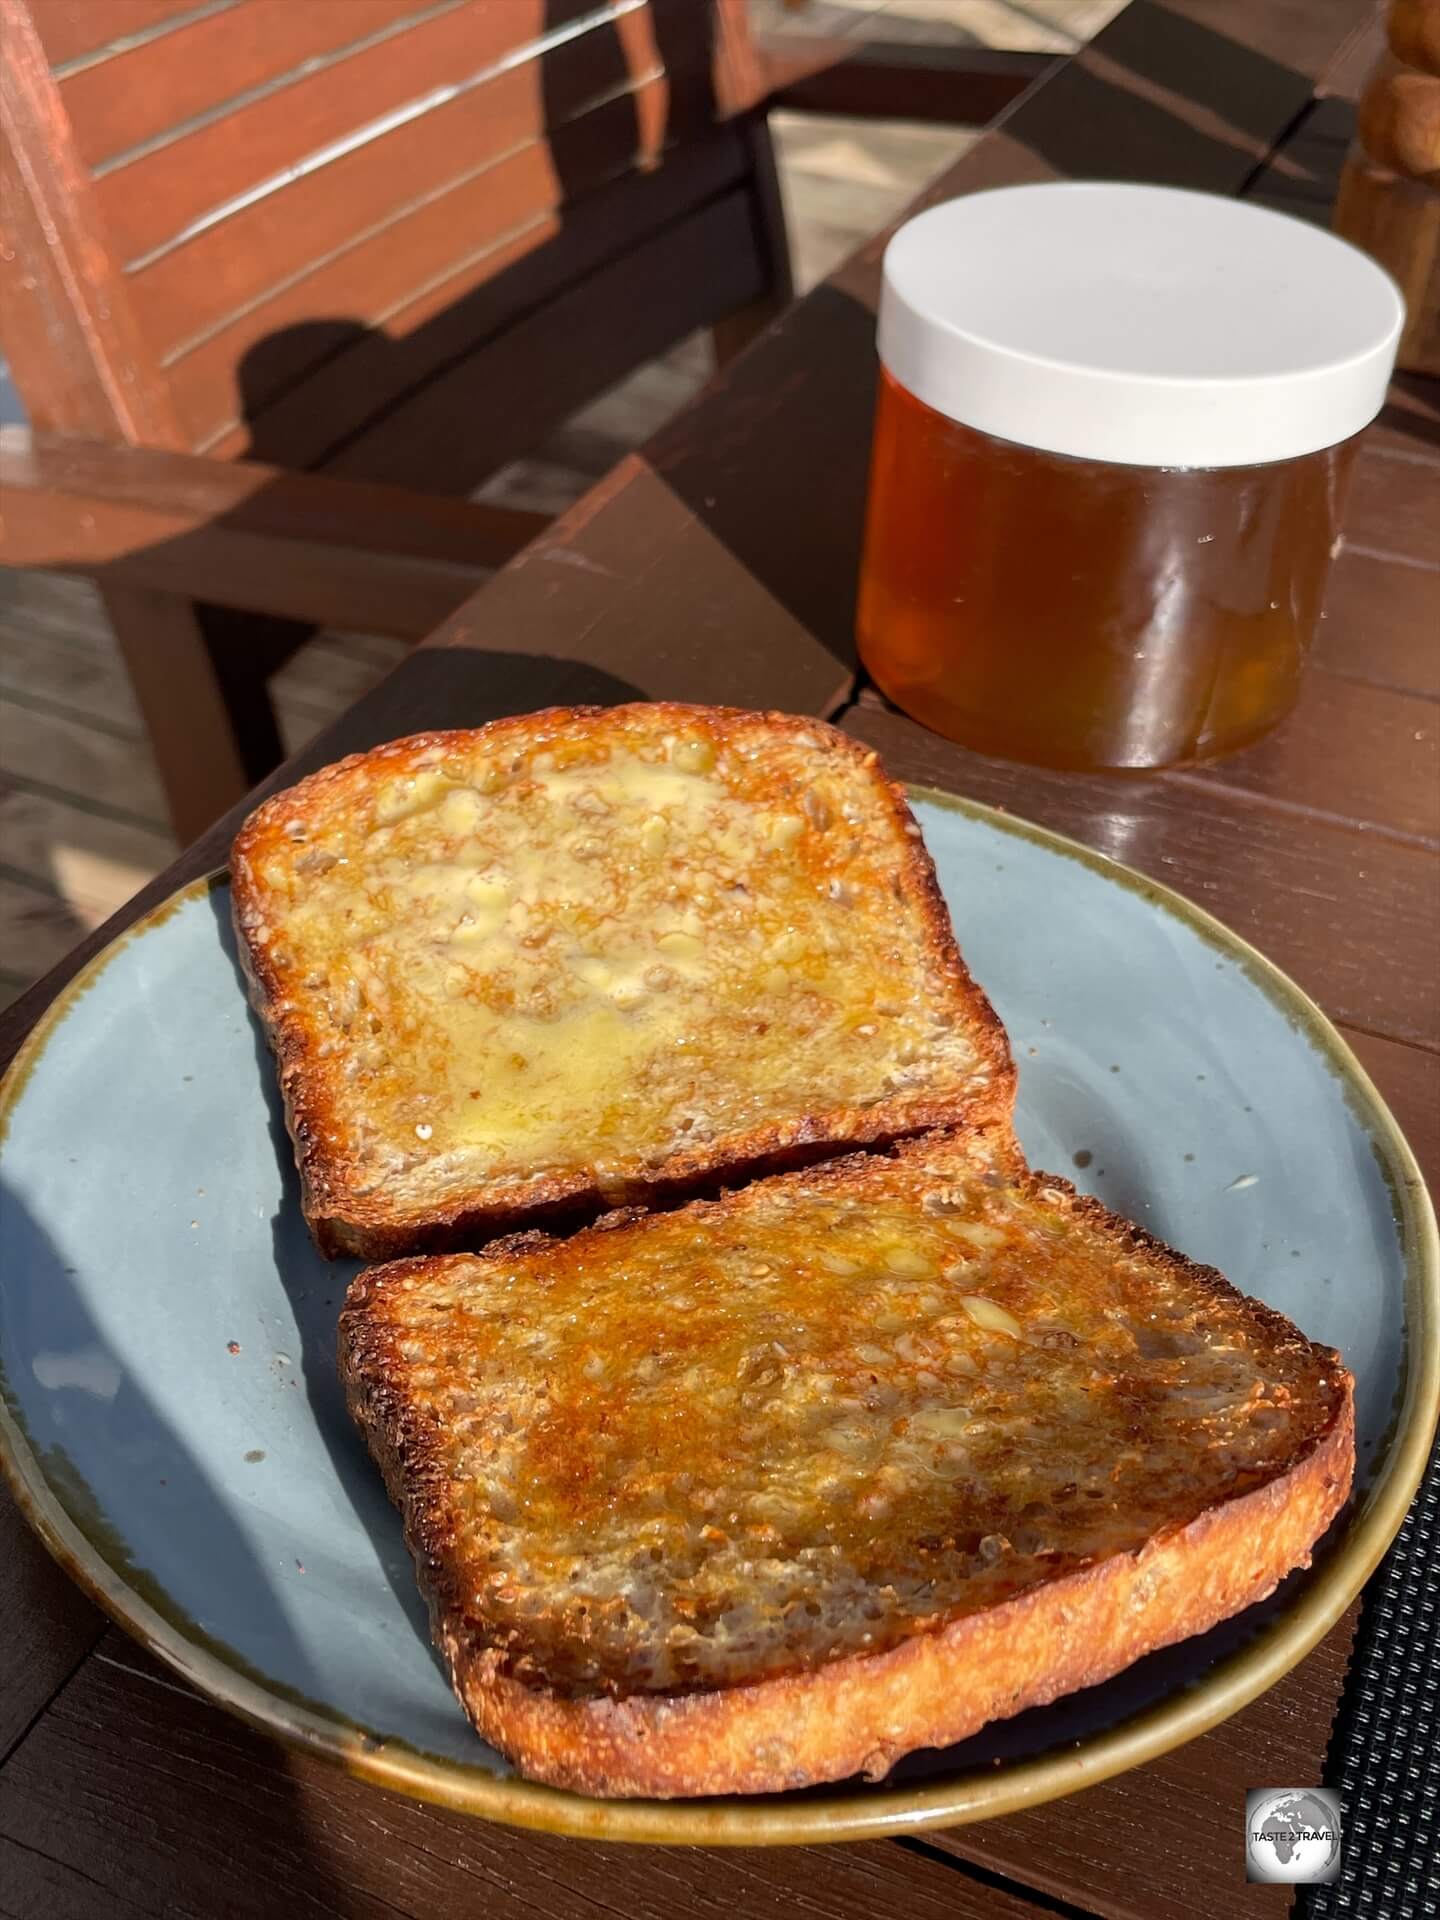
[[610, 943]]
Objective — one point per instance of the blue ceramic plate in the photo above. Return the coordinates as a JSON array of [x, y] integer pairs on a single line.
[[173, 1426]]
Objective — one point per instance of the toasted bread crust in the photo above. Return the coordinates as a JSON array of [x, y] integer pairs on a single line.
[[857, 1713], [373, 1226], [862, 1714]]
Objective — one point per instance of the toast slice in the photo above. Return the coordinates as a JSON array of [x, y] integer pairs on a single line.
[[592, 957], [774, 1489]]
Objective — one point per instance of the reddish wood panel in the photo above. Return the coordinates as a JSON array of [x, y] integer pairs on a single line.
[[314, 1842], [70, 336], [1380, 622], [366, 370], [138, 95], [72, 28], [419, 169], [156, 196], [1354, 918]]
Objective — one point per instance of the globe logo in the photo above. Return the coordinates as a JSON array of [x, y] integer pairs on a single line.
[[1292, 1834]]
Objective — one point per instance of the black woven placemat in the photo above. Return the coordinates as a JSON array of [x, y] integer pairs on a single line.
[[1385, 1751]]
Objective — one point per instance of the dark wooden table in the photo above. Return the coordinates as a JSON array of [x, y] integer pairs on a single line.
[[720, 565]]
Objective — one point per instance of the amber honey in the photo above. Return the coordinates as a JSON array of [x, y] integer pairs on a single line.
[[1114, 430], [1082, 613]]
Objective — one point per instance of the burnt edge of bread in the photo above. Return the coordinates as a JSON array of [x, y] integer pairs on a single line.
[[857, 1714], [345, 1224]]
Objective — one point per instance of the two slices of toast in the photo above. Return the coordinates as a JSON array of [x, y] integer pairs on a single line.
[[761, 1490]]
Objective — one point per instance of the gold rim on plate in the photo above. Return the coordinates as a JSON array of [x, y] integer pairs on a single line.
[[874, 1813]]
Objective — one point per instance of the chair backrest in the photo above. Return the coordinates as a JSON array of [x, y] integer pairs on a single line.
[[310, 230]]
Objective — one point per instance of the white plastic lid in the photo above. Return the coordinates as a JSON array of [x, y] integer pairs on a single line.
[[1144, 325]]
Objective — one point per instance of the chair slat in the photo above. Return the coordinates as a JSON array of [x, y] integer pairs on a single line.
[[238, 159], [72, 30], [186, 295], [139, 94], [300, 546]]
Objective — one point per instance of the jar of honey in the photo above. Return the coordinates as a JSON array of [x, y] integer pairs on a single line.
[[1113, 434]]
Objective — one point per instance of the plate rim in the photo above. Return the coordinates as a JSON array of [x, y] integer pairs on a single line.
[[886, 1811]]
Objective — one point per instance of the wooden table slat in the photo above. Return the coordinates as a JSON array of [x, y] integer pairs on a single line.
[[1314, 38], [32, 1884], [1394, 507], [1408, 1081], [1350, 753], [1355, 919], [1381, 624], [175, 1806], [1166, 1842], [49, 1625]]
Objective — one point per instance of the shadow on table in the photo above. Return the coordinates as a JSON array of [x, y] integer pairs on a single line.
[[794, 522], [1414, 408]]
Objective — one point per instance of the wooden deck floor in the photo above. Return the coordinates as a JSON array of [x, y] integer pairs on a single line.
[[82, 823]]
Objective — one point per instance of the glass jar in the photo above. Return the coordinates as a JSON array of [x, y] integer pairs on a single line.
[[1111, 445]]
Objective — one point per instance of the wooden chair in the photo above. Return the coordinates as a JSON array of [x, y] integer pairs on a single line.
[[279, 278]]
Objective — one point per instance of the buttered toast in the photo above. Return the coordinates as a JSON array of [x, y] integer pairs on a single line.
[[590, 957], [770, 1490]]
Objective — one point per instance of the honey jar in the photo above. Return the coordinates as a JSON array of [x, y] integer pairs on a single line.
[[1113, 433]]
